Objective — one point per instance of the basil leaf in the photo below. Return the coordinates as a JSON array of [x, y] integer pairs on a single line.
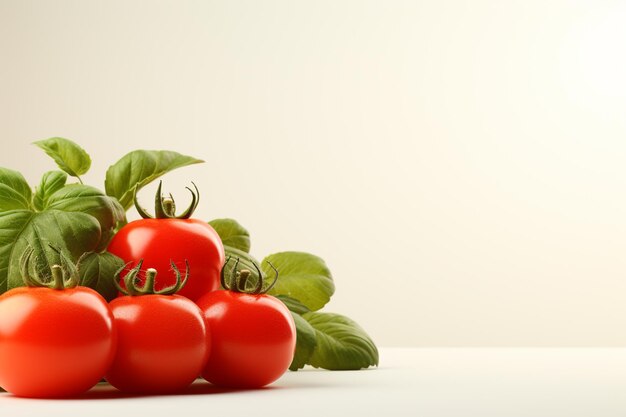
[[341, 343], [302, 276], [293, 304], [97, 271], [137, 169], [306, 340], [51, 182], [15, 193], [232, 233], [75, 219], [70, 157], [73, 233], [89, 200]]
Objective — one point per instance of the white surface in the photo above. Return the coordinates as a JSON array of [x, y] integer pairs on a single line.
[[473, 150], [410, 382]]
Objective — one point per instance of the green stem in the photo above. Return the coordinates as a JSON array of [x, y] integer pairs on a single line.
[[233, 276], [169, 207], [165, 207], [57, 277], [242, 280], [195, 198], [159, 210], [24, 259], [148, 287], [130, 279], [222, 275], [275, 277], [239, 278]]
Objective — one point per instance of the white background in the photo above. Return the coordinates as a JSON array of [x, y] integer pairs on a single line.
[[459, 165], [487, 382]]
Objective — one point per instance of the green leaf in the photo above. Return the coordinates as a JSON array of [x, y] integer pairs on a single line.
[[306, 340], [51, 182], [89, 200], [15, 193], [97, 271], [232, 233], [293, 304], [74, 218], [302, 276], [138, 168], [73, 233], [70, 157], [341, 343]]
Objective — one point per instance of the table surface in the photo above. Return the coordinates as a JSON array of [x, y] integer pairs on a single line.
[[424, 382]]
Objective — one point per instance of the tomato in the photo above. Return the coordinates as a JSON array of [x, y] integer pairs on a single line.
[[162, 340], [253, 336], [54, 342], [168, 238], [158, 240]]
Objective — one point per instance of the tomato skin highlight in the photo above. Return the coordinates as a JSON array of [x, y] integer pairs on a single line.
[[157, 241], [253, 338], [162, 344], [54, 343]]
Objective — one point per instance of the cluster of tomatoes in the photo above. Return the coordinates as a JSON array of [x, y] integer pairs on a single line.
[[165, 329]]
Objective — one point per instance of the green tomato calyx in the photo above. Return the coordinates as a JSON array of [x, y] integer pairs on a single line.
[[165, 207], [63, 275], [238, 279], [131, 281]]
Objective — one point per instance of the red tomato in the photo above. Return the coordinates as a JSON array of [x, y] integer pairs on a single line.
[[167, 238], [253, 338], [157, 241], [54, 343], [162, 343]]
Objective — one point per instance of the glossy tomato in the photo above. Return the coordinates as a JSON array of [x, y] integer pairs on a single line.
[[158, 241], [54, 342], [162, 340], [253, 337]]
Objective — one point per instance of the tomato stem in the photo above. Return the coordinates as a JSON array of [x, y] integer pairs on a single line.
[[57, 277], [57, 280], [165, 208], [195, 199], [131, 281], [30, 279], [275, 276], [238, 279], [67, 266], [242, 279], [149, 284], [159, 210], [169, 207], [142, 212]]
